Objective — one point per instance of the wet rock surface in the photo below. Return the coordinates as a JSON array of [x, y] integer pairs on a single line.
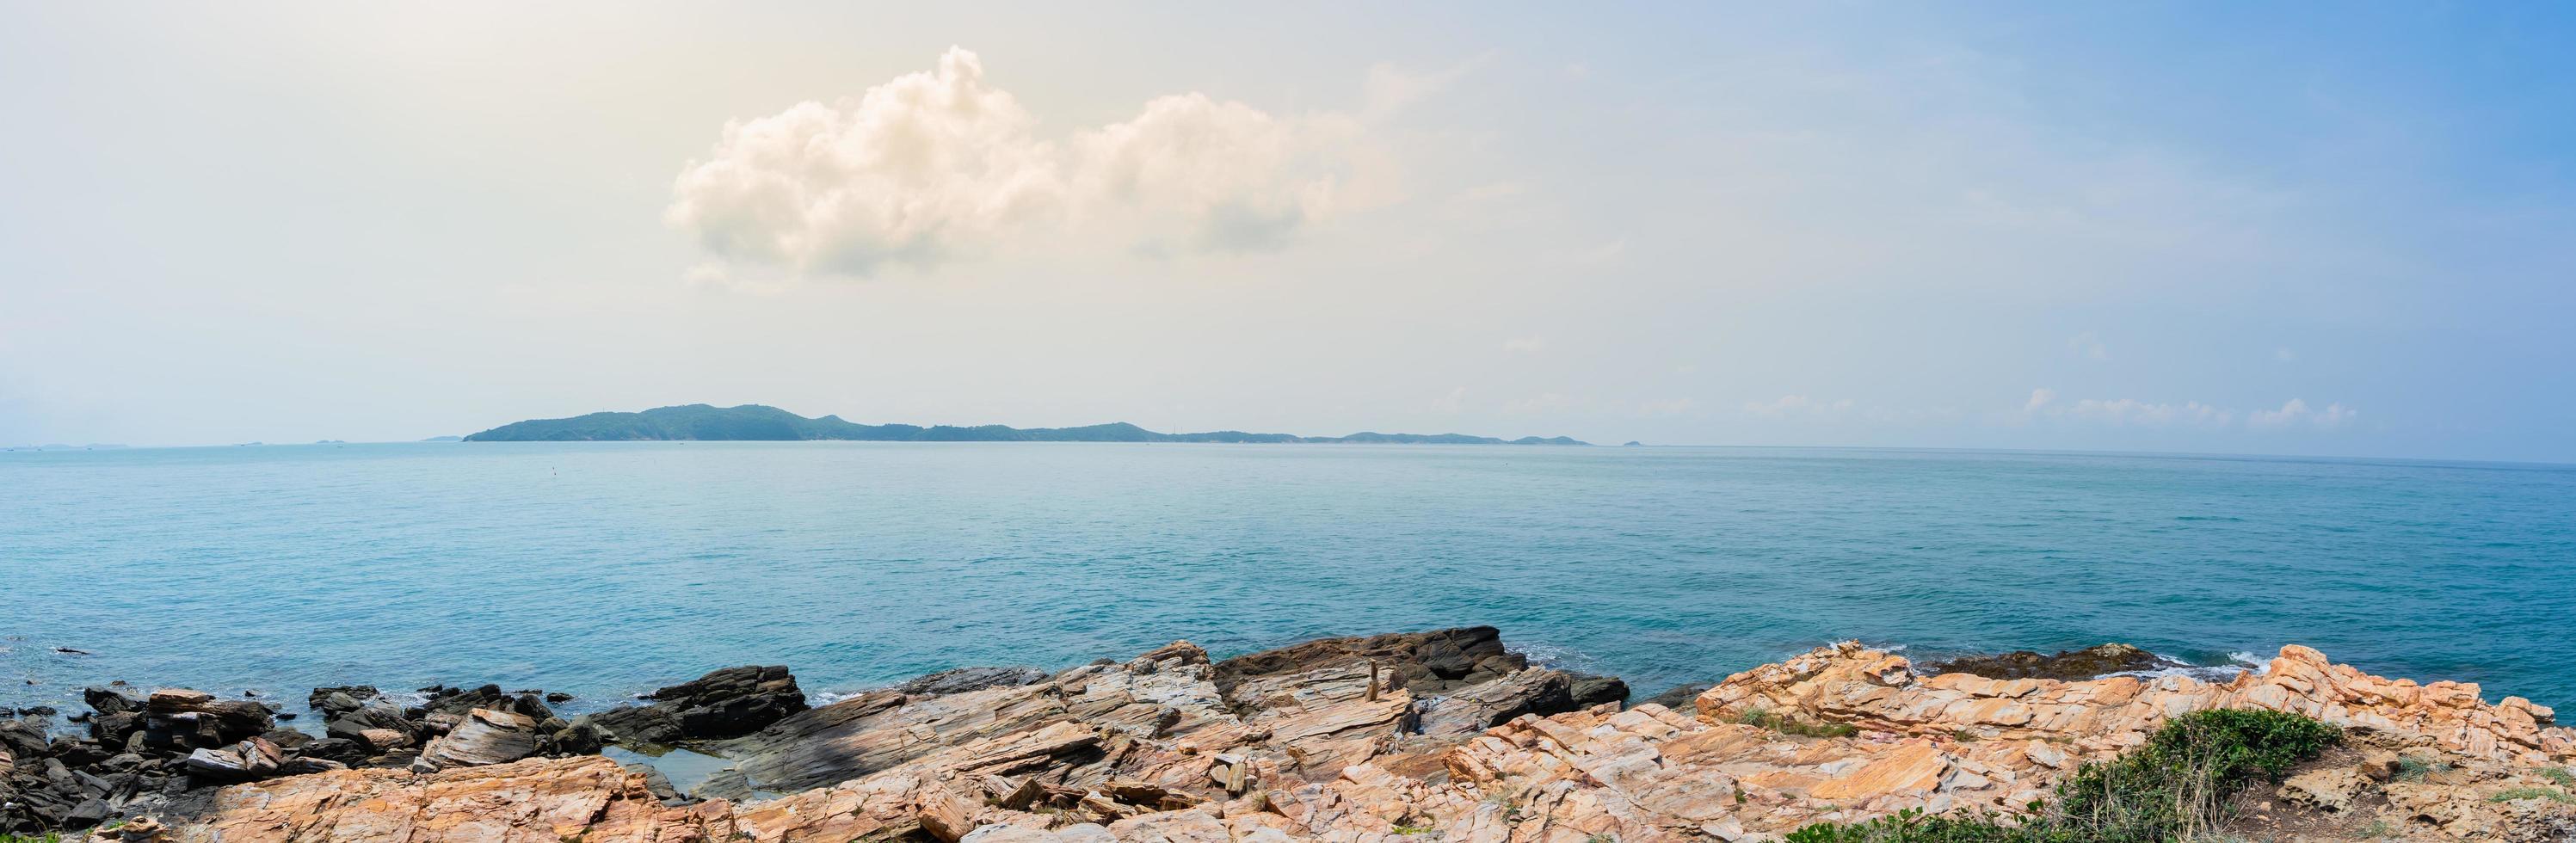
[[2088, 663]]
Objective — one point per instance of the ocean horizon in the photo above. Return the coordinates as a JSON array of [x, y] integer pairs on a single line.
[[605, 569]]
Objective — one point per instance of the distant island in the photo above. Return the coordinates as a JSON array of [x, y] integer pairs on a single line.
[[754, 422]]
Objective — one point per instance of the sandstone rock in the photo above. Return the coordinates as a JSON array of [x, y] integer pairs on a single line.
[[1848, 683], [180, 719], [485, 738], [2331, 789], [1152, 749], [383, 740]]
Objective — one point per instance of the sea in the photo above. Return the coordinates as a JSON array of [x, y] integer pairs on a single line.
[[608, 569]]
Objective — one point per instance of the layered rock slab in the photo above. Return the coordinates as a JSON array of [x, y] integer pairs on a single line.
[[1152, 750]]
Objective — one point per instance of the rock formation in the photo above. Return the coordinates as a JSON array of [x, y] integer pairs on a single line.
[[1316, 744], [727, 703]]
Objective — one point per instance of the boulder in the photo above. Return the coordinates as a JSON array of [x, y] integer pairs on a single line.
[[1589, 691], [24, 739], [376, 714], [333, 702], [486, 737], [181, 719], [733, 702], [249, 760], [114, 699]]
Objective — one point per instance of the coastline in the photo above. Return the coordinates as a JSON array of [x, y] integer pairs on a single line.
[[1311, 740]]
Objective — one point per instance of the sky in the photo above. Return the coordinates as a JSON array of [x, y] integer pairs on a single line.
[[2231, 228]]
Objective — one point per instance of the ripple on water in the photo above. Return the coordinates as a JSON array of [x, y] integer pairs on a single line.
[[602, 569]]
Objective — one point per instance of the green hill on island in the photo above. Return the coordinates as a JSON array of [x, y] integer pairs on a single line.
[[754, 422]]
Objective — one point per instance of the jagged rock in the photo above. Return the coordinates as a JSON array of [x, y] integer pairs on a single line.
[[255, 758], [2087, 663], [727, 703], [1475, 709], [336, 701], [485, 738], [24, 739], [343, 750], [181, 719], [637, 725], [376, 714], [734, 701], [459, 702], [1431, 662], [114, 699], [964, 679]]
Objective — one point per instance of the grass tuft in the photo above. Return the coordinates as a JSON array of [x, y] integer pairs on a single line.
[[2521, 793], [1759, 718]]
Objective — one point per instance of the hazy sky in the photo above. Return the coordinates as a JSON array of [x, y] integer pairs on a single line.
[[2327, 229]]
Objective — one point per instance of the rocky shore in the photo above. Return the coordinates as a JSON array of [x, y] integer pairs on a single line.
[[1440, 735]]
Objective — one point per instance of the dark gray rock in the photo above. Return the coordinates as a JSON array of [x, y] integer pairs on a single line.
[[113, 699], [1479, 707], [2087, 663], [1682, 698], [964, 679], [376, 713], [1589, 691], [728, 703], [180, 720], [333, 702], [1427, 663]]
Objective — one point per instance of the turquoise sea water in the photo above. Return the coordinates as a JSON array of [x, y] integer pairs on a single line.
[[607, 568]]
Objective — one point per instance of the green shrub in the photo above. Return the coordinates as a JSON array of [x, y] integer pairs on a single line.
[[2559, 775], [2173, 788]]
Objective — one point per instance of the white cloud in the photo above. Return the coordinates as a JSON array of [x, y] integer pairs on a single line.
[[1525, 345], [2130, 411], [1801, 406], [939, 164], [2296, 412]]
